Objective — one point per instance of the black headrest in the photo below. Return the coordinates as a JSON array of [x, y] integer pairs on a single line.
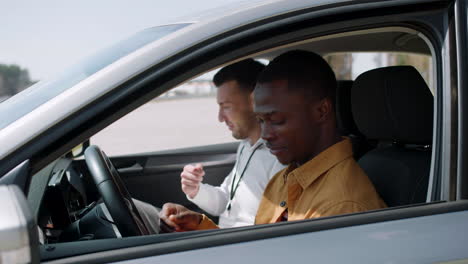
[[344, 116], [393, 103]]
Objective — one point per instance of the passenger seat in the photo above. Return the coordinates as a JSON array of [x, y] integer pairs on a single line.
[[394, 106]]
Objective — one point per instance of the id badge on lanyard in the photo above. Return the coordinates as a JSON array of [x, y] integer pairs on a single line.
[[235, 185]]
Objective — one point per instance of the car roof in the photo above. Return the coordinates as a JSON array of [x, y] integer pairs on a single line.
[[260, 8], [390, 39]]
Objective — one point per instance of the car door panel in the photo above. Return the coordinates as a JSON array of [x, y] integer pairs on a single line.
[[155, 177], [404, 241], [394, 235]]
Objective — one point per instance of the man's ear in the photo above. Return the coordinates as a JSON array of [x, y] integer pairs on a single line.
[[324, 109], [251, 99]]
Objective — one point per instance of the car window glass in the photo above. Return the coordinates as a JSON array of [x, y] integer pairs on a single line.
[[38, 94], [185, 116]]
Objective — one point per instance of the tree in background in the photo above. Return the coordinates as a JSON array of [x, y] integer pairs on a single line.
[[13, 79], [421, 62], [342, 65]]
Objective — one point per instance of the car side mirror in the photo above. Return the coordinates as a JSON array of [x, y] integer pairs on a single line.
[[18, 229], [79, 150]]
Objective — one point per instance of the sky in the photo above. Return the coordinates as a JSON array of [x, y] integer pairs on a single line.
[[46, 36]]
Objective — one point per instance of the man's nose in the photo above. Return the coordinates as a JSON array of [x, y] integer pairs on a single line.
[[221, 116], [267, 133]]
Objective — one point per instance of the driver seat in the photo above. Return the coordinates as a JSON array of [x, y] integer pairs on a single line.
[[394, 106]]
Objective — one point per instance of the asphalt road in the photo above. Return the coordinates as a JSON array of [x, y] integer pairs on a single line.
[[166, 124]]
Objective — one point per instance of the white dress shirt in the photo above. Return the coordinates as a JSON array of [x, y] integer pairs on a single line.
[[258, 171]]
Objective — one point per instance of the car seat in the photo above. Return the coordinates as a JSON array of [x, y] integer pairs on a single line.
[[345, 121], [394, 106]]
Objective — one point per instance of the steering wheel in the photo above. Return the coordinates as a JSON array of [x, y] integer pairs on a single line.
[[114, 193]]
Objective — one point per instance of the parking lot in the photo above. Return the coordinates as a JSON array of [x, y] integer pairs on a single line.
[[165, 124]]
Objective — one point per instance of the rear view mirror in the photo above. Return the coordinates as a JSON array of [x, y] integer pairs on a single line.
[[18, 231], [79, 150]]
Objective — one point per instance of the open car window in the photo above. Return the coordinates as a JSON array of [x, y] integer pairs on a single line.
[[185, 116], [152, 143]]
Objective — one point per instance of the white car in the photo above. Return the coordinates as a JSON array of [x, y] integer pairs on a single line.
[[411, 142]]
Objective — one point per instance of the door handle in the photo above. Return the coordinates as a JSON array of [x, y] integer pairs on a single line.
[[180, 166], [135, 168]]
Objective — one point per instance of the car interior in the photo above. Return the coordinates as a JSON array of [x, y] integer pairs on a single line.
[[386, 111]]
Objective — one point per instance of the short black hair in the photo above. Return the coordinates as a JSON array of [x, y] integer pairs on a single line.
[[245, 72], [305, 71]]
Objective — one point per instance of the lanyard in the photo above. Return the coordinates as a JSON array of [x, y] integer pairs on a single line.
[[234, 188]]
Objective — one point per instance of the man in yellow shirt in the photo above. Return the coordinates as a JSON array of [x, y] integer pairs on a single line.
[[294, 103]]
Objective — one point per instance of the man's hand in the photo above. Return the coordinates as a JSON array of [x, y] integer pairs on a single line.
[[191, 177], [175, 217]]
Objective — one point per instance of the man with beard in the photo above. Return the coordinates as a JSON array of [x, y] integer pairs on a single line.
[[236, 200]]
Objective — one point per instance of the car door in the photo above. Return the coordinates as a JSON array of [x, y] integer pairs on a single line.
[[411, 240], [424, 233], [408, 234], [155, 177]]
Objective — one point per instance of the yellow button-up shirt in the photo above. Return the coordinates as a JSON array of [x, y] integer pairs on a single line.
[[331, 183]]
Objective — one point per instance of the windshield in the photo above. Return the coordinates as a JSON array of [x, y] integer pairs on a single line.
[[38, 94]]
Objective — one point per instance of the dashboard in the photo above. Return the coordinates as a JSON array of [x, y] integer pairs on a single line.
[[69, 208]]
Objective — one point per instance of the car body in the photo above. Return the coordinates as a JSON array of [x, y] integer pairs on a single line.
[[41, 125]]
